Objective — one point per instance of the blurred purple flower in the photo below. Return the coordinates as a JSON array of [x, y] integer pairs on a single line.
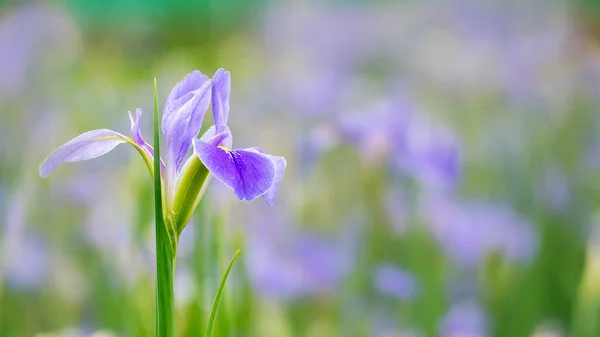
[[395, 282], [107, 229], [394, 127], [464, 319], [313, 48], [290, 265], [27, 32], [430, 153], [381, 129], [24, 255], [528, 38], [468, 232], [25, 261], [319, 139]]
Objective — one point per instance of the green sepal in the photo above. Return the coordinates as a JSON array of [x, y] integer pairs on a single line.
[[189, 191]]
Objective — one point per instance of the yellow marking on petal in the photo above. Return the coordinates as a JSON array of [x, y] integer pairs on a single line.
[[224, 148]]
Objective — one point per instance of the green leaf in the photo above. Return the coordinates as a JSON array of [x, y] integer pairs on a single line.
[[165, 249], [215, 306]]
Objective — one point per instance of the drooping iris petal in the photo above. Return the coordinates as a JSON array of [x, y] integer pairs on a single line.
[[280, 164], [220, 98], [183, 114], [248, 173], [86, 146], [137, 134]]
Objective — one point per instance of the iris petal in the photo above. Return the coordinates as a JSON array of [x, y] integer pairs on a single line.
[[137, 134], [183, 114], [86, 146], [220, 98], [247, 172], [280, 164], [189, 83], [223, 138]]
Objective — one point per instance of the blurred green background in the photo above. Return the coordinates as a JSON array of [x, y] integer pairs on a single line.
[[442, 163]]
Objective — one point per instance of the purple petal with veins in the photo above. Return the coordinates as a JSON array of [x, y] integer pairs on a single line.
[[280, 164], [248, 173], [86, 146]]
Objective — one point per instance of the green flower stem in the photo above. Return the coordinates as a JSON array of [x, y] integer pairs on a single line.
[[165, 269], [166, 247]]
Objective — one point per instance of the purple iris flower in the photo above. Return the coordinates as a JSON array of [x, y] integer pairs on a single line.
[[249, 172], [468, 232]]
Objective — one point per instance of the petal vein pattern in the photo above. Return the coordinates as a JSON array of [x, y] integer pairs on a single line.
[[249, 174]]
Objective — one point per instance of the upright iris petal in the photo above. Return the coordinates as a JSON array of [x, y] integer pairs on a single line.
[[86, 146], [183, 114], [137, 134], [220, 98]]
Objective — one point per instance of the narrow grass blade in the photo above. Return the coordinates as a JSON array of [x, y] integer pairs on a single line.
[[215, 306], [157, 184], [165, 304]]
